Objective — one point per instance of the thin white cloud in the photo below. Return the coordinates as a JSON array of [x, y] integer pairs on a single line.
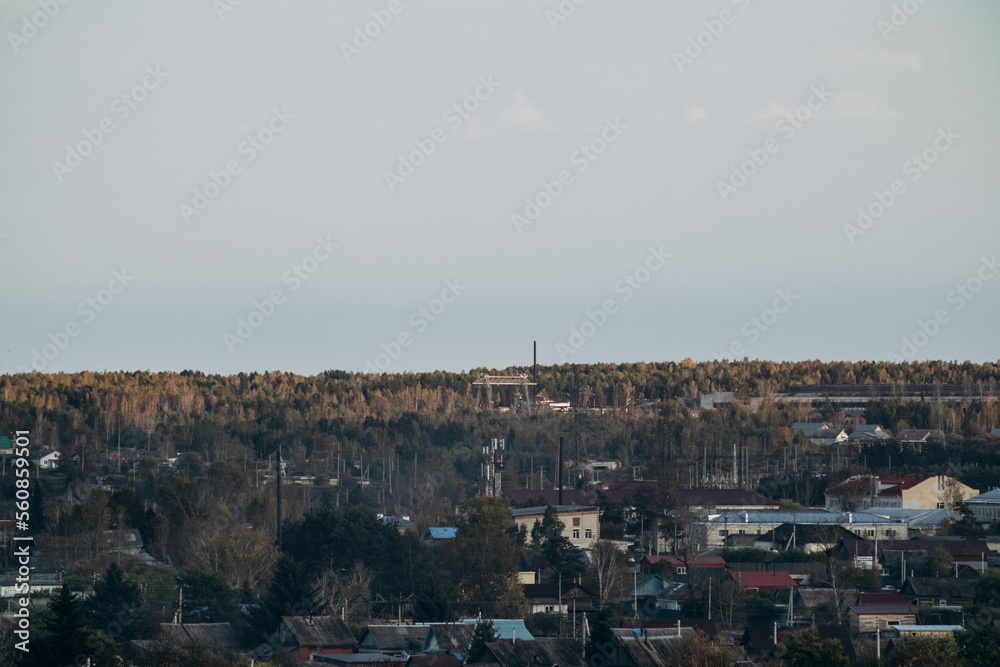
[[695, 113], [904, 60], [852, 104]]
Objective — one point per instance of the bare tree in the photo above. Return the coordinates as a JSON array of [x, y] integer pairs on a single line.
[[608, 563]]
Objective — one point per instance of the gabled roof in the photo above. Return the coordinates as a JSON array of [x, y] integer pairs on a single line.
[[887, 609], [409, 638], [882, 598], [702, 625], [806, 534], [319, 631], [451, 637], [723, 497], [437, 660], [808, 428], [913, 434], [650, 648], [544, 651], [622, 491], [200, 635], [443, 532], [506, 628], [933, 587], [763, 580], [988, 497]]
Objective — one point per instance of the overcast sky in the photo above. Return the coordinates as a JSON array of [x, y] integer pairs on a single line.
[[263, 185]]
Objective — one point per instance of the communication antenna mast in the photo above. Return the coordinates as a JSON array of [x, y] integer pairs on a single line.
[[493, 465]]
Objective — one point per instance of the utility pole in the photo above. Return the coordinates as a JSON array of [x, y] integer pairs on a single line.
[[278, 498]]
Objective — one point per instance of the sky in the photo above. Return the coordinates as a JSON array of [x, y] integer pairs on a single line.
[[400, 186]]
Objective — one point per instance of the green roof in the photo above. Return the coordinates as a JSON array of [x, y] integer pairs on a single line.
[[5, 442]]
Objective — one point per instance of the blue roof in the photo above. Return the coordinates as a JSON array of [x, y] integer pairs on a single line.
[[443, 533], [506, 628]]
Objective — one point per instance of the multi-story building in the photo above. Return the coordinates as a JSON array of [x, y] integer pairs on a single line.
[[712, 530], [926, 492], [581, 525]]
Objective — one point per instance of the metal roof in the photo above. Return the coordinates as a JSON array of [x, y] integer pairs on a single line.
[[929, 628], [443, 533], [506, 628], [803, 517]]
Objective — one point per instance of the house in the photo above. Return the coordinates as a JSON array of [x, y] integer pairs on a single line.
[[809, 538], [545, 598], [644, 648], [869, 433], [358, 659], [702, 625], [393, 640], [862, 492], [543, 651], [315, 634], [902, 631], [914, 553], [506, 628], [434, 660], [453, 639], [48, 459], [581, 525], [647, 584], [681, 565], [402, 523], [440, 534], [808, 428], [713, 529], [952, 594], [716, 399], [913, 436], [124, 541], [986, 506], [197, 636], [918, 522], [828, 436], [866, 618], [724, 499], [763, 582]]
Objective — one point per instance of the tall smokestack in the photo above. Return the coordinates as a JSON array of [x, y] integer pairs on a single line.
[[559, 474], [534, 367]]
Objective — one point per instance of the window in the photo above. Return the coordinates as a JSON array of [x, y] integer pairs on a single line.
[[549, 609], [723, 533], [940, 506], [576, 521], [892, 623], [871, 533], [942, 602], [576, 534], [682, 570], [743, 532], [588, 533]]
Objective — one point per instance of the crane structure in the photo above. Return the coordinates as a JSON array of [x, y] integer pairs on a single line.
[[490, 381]]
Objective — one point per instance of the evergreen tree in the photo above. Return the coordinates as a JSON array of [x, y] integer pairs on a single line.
[[482, 635], [64, 631], [116, 607]]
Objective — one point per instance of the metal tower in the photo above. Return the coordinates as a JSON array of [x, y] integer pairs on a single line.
[[493, 465]]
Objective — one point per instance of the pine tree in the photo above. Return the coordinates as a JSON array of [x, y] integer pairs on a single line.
[[116, 607], [64, 631], [482, 635]]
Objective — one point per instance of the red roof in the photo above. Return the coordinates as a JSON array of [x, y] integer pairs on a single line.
[[764, 580]]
